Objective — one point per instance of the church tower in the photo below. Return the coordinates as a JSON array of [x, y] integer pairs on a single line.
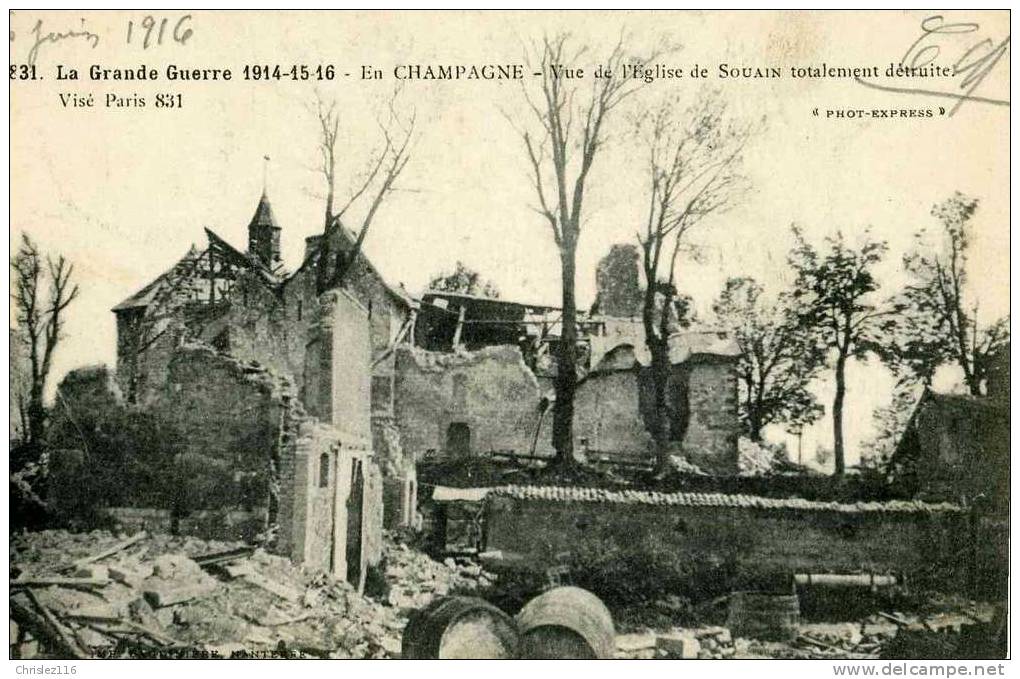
[[264, 234]]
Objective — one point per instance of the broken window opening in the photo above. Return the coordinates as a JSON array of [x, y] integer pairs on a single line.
[[324, 470], [460, 392], [458, 439]]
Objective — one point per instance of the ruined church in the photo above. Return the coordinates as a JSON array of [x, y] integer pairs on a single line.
[[323, 396]]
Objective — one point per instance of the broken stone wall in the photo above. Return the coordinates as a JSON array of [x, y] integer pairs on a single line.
[[144, 349], [247, 415], [734, 542], [337, 365], [104, 452], [400, 474], [710, 441], [228, 415], [262, 325], [467, 402], [608, 415], [308, 478], [613, 413]]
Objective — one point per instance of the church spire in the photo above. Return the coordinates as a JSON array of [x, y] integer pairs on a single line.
[[264, 233]]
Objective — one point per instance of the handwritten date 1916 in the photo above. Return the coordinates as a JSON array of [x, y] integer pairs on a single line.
[[149, 32]]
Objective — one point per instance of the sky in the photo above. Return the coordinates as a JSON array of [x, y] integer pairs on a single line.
[[124, 192]]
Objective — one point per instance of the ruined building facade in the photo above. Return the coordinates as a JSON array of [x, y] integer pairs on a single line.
[[328, 442], [367, 380], [479, 379]]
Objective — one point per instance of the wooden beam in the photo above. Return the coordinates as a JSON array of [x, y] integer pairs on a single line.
[[460, 326]]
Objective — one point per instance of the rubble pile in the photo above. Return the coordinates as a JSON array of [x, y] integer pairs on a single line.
[[415, 579], [703, 643], [99, 594], [883, 635]]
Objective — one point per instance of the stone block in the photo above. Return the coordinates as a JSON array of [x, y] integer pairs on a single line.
[[681, 646], [94, 571], [160, 596], [630, 643]]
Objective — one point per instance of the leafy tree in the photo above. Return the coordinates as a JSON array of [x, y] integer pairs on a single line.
[[834, 293], [778, 357], [937, 325], [464, 280], [618, 282]]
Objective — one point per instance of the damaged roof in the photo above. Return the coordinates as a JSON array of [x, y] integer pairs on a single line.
[[567, 494], [147, 294], [632, 353], [312, 256]]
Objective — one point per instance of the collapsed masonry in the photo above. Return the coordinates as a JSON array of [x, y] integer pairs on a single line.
[[251, 459], [286, 387], [490, 400], [353, 363]]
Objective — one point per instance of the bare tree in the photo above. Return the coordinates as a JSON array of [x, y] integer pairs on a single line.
[[694, 170], [42, 291], [568, 118], [385, 166]]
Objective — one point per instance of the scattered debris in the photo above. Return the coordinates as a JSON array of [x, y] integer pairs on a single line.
[[181, 597], [119, 547], [415, 579]]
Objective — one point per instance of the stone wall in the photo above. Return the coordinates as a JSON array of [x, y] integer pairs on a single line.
[[400, 474], [491, 395], [738, 541], [496, 397], [337, 360], [247, 458], [227, 411], [261, 325], [143, 354], [608, 415], [613, 413], [234, 411], [710, 440]]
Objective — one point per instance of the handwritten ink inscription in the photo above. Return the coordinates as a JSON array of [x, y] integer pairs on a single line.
[[149, 32], [972, 57]]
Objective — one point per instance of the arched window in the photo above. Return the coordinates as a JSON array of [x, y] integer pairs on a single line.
[[324, 470]]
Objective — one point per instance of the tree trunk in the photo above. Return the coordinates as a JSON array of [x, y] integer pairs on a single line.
[[36, 415], [566, 368], [973, 377], [837, 416], [754, 428], [659, 349], [754, 414]]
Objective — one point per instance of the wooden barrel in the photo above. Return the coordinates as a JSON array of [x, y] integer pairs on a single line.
[[459, 627], [566, 622], [765, 616]]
